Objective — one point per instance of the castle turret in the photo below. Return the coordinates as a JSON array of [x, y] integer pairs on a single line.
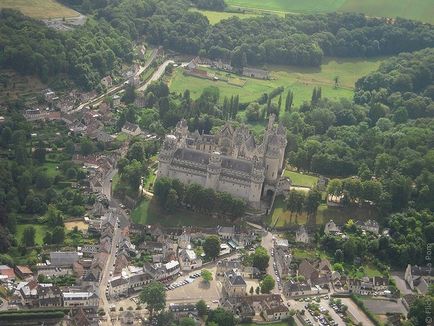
[[166, 154], [213, 170], [272, 159], [257, 179]]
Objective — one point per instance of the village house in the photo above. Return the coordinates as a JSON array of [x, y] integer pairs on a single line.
[[27, 291], [292, 289], [368, 285], [131, 129], [80, 299], [188, 260], [419, 278], [161, 271], [107, 81], [226, 232], [256, 73], [270, 306], [116, 101], [369, 225], [184, 240], [64, 258], [23, 272], [283, 259], [331, 228], [301, 235], [181, 310], [49, 295], [319, 274], [6, 273], [234, 284]]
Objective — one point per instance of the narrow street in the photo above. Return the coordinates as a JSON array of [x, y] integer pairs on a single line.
[[106, 275]]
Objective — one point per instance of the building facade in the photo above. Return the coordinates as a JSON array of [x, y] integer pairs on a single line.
[[229, 161]]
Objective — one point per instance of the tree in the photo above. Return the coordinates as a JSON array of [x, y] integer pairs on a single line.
[[267, 284], [206, 275], [289, 100], [58, 235], [260, 258], [86, 147], [202, 308], [171, 200], [221, 317], [187, 322], [29, 236], [211, 246], [257, 290], [252, 290], [313, 199], [154, 296], [39, 153], [162, 187]]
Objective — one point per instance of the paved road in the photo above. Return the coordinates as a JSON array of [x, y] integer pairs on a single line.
[[106, 275], [157, 75], [268, 243], [98, 99]]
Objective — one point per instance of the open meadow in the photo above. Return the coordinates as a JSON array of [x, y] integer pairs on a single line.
[[412, 9], [215, 16], [301, 80], [40, 9]]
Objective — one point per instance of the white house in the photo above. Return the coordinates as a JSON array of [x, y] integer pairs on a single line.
[[80, 299], [189, 260], [131, 129]]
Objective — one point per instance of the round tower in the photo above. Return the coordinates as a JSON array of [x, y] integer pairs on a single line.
[[213, 171], [166, 155], [257, 179], [272, 160]]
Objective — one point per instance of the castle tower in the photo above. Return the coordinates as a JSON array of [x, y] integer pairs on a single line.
[[213, 171], [272, 159], [166, 154], [256, 182]]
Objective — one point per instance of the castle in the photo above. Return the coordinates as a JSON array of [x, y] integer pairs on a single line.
[[229, 161]]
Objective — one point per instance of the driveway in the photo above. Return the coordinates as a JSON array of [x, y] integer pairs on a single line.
[[355, 311]]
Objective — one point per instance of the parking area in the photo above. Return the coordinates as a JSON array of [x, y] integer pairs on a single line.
[[316, 311], [196, 290]]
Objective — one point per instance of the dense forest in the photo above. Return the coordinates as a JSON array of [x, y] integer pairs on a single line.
[[90, 52]]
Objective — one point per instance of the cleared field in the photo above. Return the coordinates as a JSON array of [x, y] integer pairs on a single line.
[[81, 225], [413, 9], [40, 8], [215, 16], [298, 6], [39, 235], [149, 212], [300, 80], [302, 180]]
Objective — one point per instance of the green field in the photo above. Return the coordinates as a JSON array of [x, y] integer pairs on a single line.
[[413, 9], [215, 16], [296, 6], [301, 180], [39, 236], [149, 212], [324, 214], [40, 8], [300, 80]]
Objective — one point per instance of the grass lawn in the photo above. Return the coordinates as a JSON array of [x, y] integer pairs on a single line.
[[281, 216], [298, 6], [40, 232], [300, 254], [149, 212], [51, 168], [342, 214], [215, 16], [365, 270], [150, 179], [302, 180], [413, 9], [301, 80], [40, 8]]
